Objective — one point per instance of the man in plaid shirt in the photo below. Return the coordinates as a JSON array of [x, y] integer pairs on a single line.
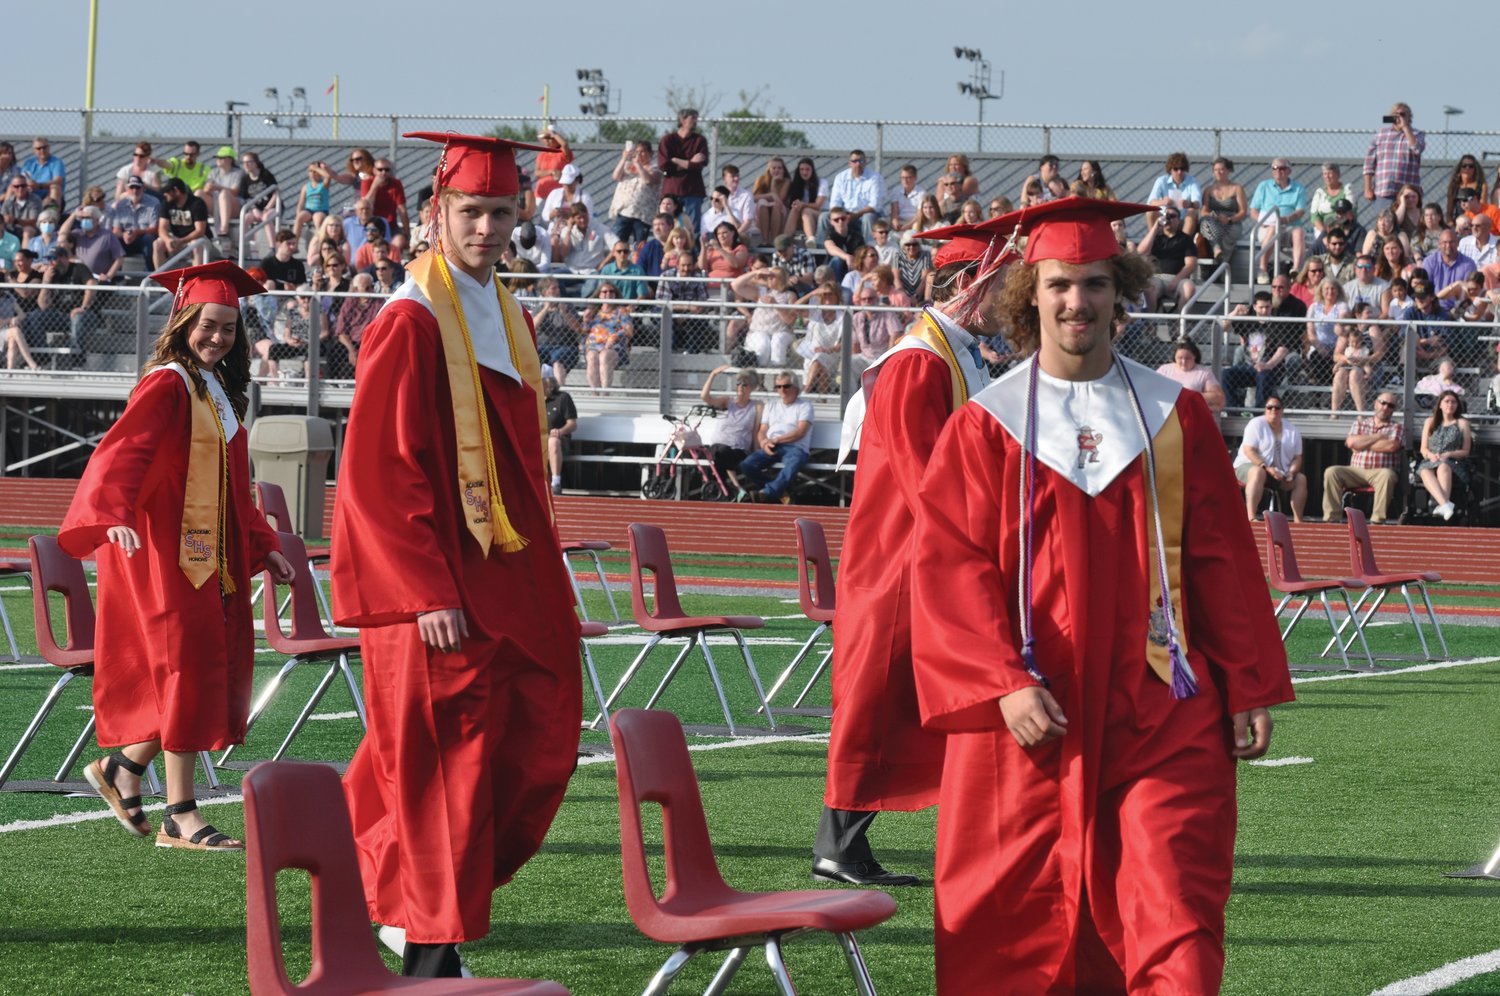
[[1394, 159], [1378, 444]]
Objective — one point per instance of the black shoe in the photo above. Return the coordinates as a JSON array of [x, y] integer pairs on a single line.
[[859, 873]]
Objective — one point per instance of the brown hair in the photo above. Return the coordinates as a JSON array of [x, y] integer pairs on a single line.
[[1131, 271], [233, 370]]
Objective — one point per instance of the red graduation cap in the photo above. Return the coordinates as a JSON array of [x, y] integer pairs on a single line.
[[970, 242], [485, 167], [1074, 229], [219, 282]]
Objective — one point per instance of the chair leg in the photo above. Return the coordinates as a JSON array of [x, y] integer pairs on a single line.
[[722, 977], [15, 650], [209, 774], [312, 571], [778, 966], [669, 970], [577, 591], [604, 583], [817, 673], [666, 680], [268, 693], [625, 678], [713, 674], [36, 724], [754, 677], [797, 660], [1332, 626], [1296, 616], [312, 703], [593, 673], [862, 982], [1359, 604], [1416, 624], [1437, 627], [359, 700], [76, 752]]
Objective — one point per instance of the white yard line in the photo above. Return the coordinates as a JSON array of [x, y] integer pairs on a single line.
[[1434, 666], [1444, 976], [1280, 762], [63, 819], [334, 715]]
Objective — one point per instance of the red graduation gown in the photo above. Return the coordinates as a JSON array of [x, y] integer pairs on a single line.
[[468, 754], [879, 757], [171, 661], [1102, 858]]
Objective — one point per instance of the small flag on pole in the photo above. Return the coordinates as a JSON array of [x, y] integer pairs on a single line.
[[332, 86]]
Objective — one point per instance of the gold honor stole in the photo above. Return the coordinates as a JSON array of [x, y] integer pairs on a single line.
[[205, 498], [478, 481], [927, 331], [1167, 447]]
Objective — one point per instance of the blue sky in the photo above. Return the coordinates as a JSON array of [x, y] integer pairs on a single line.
[[1086, 62]]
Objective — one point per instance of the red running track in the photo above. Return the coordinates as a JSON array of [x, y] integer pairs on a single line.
[[1462, 555]]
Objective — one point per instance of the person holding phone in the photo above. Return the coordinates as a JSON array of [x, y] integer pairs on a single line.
[[1394, 158]]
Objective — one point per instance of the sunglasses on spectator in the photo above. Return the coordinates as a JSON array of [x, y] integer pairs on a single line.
[[138, 154], [41, 148], [1281, 169], [1363, 266], [382, 169], [785, 387], [856, 161], [1386, 404], [1273, 408]]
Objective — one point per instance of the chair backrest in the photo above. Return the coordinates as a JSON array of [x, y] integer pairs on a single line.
[[273, 506], [54, 570], [296, 817], [1281, 558], [652, 765], [1361, 551], [307, 620], [648, 552], [814, 571]]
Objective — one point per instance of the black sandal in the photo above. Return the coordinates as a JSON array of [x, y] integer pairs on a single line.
[[101, 775], [207, 839]]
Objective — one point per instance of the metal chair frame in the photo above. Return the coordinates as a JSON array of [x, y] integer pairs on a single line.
[[1362, 562], [591, 548], [12, 569], [1286, 578], [816, 593], [273, 506]]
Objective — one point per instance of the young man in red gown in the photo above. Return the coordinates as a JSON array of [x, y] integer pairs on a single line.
[[1096, 641]]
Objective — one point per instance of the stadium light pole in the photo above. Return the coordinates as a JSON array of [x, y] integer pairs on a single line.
[[594, 91], [978, 84]]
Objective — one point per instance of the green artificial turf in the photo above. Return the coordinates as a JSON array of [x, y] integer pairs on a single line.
[[1338, 886]]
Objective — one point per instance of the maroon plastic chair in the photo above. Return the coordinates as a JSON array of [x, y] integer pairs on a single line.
[[665, 620], [1287, 579], [815, 591], [307, 643], [1380, 583], [12, 569], [593, 548], [53, 570], [296, 817], [274, 507], [696, 909]]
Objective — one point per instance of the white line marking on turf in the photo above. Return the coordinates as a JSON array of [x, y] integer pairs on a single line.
[[1280, 762], [1434, 666], [24, 667], [63, 819], [816, 738], [1444, 976], [334, 715]]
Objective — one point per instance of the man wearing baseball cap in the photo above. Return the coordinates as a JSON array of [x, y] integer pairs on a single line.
[[1097, 644], [879, 757], [445, 556]]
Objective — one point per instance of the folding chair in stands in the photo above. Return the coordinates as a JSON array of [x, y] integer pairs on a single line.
[[1366, 572], [697, 910], [12, 569], [274, 507], [52, 570], [666, 621], [815, 590], [307, 643], [296, 817], [592, 548], [1287, 579]]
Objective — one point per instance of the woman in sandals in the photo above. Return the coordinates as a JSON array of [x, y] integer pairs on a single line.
[[165, 501]]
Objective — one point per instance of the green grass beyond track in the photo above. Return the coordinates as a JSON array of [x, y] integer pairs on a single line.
[[1338, 886]]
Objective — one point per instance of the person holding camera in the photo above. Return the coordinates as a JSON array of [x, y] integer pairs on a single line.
[[1394, 159], [1180, 189]]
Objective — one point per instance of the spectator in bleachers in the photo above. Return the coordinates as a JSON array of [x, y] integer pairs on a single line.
[[283, 270], [681, 156], [915, 268], [22, 302], [1475, 305], [1446, 265], [1444, 380], [824, 338], [1091, 175], [1467, 175], [887, 248], [734, 432], [1179, 188], [1033, 192], [1394, 158], [970, 212], [796, 261], [143, 166], [313, 201], [889, 290], [1173, 254], [386, 196], [806, 198], [1280, 200], [717, 213], [389, 275], [1271, 454], [1285, 304], [741, 205], [771, 193], [579, 243], [383, 252], [724, 256], [558, 330], [1366, 286], [1000, 205], [860, 192], [549, 164], [769, 335], [1480, 244], [364, 256], [1355, 360], [1398, 305], [9, 168], [94, 244], [1427, 307], [1385, 228], [862, 272], [949, 197], [185, 167], [331, 232], [906, 198], [692, 333], [1420, 222], [1186, 368], [842, 239], [184, 219], [1267, 349], [929, 215], [20, 208], [679, 239], [358, 167], [562, 422], [1320, 204], [637, 192], [355, 315], [1472, 203], [1337, 256], [264, 208], [1447, 443], [1047, 170], [362, 226], [1377, 445], [568, 192], [650, 252], [46, 233], [1392, 261], [336, 278], [607, 341], [958, 165], [1345, 224], [46, 171], [71, 311], [531, 243], [1224, 208], [1305, 284], [134, 219], [619, 265], [873, 332], [785, 435]]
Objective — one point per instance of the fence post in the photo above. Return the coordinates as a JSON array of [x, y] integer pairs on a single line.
[[664, 351], [880, 148], [1218, 142], [1046, 140], [85, 133], [846, 349], [395, 134], [312, 365], [713, 152], [142, 338], [237, 139]]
